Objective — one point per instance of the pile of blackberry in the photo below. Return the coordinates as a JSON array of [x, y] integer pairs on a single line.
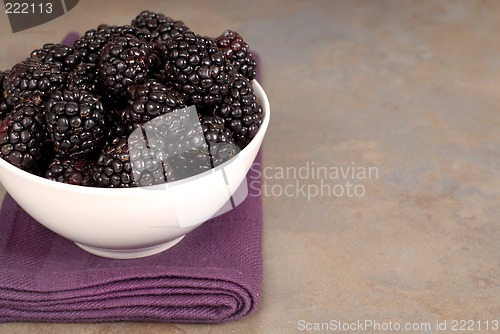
[[129, 106]]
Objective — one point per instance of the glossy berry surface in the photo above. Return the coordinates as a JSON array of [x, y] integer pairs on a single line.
[[237, 52], [23, 138], [113, 169], [89, 46], [83, 77], [72, 171], [197, 68], [149, 100], [160, 26], [75, 122], [58, 54], [123, 62], [33, 81], [241, 111], [220, 140]]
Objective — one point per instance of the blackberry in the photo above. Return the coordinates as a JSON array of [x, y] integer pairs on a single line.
[[241, 111], [219, 139], [177, 140], [147, 159], [59, 54], [175, 132], [75, 122], [72, 171], [33, 81], [160, 27], [197, 68], [113, 169], [124, 61], [90, 44], [214, 130], [5, 105], [149, 100], [23, 139], [237, 52], [83, 77]]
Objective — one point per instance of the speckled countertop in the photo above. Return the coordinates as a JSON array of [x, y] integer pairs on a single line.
[[388, 113]]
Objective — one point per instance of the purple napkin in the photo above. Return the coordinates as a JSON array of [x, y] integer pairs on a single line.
[[213, 275], [71, 38]]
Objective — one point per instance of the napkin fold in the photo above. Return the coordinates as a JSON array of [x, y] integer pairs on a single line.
[[213, 275]]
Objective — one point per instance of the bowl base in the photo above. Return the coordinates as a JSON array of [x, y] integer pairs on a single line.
[[123, 254]]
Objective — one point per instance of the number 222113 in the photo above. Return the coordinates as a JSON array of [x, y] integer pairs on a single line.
[[28, 8], [471, 325]]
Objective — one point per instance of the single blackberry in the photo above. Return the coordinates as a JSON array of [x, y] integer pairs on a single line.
[[197, 68], [23, 139], [237, 52], [5, 104], [72, 171], [214, 130], [113, 168], [83, 77], [59, 54], [177, 140], [241, 111], [75, 121], [33, 81], [90, 44], [160, 27], [219, 139], [149, 100], [125, 61]]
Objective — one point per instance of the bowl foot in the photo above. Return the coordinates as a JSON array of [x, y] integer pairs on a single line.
[[123, 254]]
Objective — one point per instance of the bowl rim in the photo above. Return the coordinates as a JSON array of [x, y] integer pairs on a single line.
[[259, 136]]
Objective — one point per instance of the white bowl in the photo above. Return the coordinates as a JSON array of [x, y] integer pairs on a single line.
[[133, 222]]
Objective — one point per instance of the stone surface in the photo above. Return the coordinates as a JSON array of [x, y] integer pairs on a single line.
[[404, 94]]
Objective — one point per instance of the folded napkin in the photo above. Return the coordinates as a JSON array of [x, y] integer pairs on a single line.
[[213, 275]]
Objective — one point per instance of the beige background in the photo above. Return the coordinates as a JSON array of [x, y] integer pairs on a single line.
[[408, 87]]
